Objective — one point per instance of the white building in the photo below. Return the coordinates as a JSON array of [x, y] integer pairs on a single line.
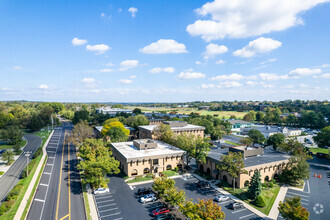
[[112, 111]]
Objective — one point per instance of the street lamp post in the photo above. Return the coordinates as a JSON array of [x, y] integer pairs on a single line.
[[27, 154]]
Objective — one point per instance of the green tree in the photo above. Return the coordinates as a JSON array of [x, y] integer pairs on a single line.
[[187, 143], [246, 141], [81, 131], [293, 146], [256, 136], [116, 134], [202, 149], [203, 210], [35, 123], [17, 149], [81, 115], [174, 196], [250, 116], [117, 106], [13, 134], [297, 169], [260, 116], [164, 133], [233, 164], [255, 186], [8, 157], [292, 209], [218, 132], [97, 162], [323, 137], [137, 111], [137, 120], [163, 183], [276, 140]]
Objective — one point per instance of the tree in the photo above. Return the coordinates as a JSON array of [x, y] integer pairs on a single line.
[[218, 132], [292, 209], [323, 137], [250, 116], [276, 140], [81, 115], [187, 143], [297, 169], [174, 196], [97, 162], [13, 134], [202, 149], [116, 134], [117, 106], [203, 210], [115, 130], [137, 111], [164, 133], [81, 131], [292, 146], [17, 149], [8, 157], [35, 123], [233, 164], [137, 120], [260, 116], [246, 141], [163, 183], [255, 186], [256, 136]]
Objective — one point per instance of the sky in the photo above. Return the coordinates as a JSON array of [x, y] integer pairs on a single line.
[[164, 50]]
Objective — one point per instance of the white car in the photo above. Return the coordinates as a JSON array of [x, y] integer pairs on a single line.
[[148, 198], [101, 191], [221, 198]]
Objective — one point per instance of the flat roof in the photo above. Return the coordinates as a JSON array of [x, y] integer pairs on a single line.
[[187, 127], [127, 150], [269, 156], [234, 121]]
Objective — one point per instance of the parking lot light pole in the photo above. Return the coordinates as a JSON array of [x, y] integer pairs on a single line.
[[27, 154]]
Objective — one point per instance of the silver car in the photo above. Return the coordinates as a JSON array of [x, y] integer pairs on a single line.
[[148, 198], [221, 198], [101, 191]]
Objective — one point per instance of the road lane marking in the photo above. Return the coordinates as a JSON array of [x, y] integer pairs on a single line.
[[39, 200], [51, 157], [108, 210], [64, 217], [297, 194], [59, 182], [246, 216], [239, 211], [49, 164], [42, 184], [308, 186], [303, 203], [47, 173]]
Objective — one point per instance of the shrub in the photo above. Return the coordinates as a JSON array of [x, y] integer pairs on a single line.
[[138, 177], [37, 153], [271, 185], [176, 169], [265, 185], [14, 192], [259, 201], [149, 175], [273, 181], [1, 173]]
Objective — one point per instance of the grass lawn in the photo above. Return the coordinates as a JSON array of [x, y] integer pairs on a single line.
[[170, 173], [43, 134], [88, 211], [232, 143], [9, 146], [269, 197], [139, 179], [319, 150]]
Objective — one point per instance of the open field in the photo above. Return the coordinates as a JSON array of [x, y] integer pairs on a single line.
[[187, 111], [10, 146]]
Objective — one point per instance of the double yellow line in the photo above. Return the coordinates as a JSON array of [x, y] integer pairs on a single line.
[[60, 181]]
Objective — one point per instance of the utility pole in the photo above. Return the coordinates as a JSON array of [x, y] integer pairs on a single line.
[[27, 154]]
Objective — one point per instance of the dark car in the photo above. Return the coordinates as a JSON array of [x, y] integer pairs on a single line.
[[235, 205], [144, 191], [321, 155], [203, 184], [165, 217]]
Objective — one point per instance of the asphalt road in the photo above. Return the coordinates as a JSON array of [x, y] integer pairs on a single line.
[[11, 177], [59, 193]]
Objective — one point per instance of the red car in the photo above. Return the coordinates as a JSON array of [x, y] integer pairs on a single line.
[[159, 211]]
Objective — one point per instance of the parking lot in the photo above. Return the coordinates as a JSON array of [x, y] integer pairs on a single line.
[[106, 207]]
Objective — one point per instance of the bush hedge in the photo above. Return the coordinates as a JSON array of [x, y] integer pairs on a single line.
[[271, 185], [259, 201], [11, 198], [37, 153]]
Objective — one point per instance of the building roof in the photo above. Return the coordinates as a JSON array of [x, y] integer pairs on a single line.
[[269, 156], [187, 127], [132, 153], [99, 128], [269, 129], [235, 121]]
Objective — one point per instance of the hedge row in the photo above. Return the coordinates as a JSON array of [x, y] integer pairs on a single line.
[[11, 198]]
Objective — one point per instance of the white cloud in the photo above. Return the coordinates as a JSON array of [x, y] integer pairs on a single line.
[[17, 68], [272, 76], [325, 66], [230, 84], [323, 76], [164, 70], [102, 14], [109, 64], [198, 62], [128, 64], [233, 76], [190, 75], [214, 49], [220, 61], [88, 80], [268, 61], [164, 46], [266, 86], [248, 18], [98, 48], [106, 70], [304, 72], [43, 86], [251, 83], [208, 86], [132, 76], [133, 11], [260, 45], [78, 42], [125, 81]]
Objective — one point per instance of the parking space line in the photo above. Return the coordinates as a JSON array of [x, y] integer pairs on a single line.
[[101, 199], [49, 164], [39, 200], [239, 211], [224, 202], [246, 216], [110, 200], [297, 194], [117, 213], [118, 218], [42, 184], [47, 173], [100, 196], [51, 157], [106, 205], [108, 210]]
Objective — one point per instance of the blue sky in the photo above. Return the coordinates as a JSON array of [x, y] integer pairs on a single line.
[[164, 50]]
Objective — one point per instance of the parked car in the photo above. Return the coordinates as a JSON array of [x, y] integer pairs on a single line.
[[203, 184], [144, 191], [165, 217], [159, 211], [221, 198], [148, 198], [321, 155], [101, 191], [235, 205]]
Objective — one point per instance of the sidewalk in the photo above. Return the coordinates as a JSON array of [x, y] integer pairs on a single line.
[[91, 203], [28, 192], [273, 214]]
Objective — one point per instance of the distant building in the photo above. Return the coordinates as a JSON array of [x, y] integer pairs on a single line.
[[178, 127], [145, 156], [204, 108], [236, 125], [268, 131], [156, 121], [270, 164], [112, 111]]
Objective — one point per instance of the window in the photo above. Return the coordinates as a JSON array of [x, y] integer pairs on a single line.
[[146, 170], [155, 162]]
